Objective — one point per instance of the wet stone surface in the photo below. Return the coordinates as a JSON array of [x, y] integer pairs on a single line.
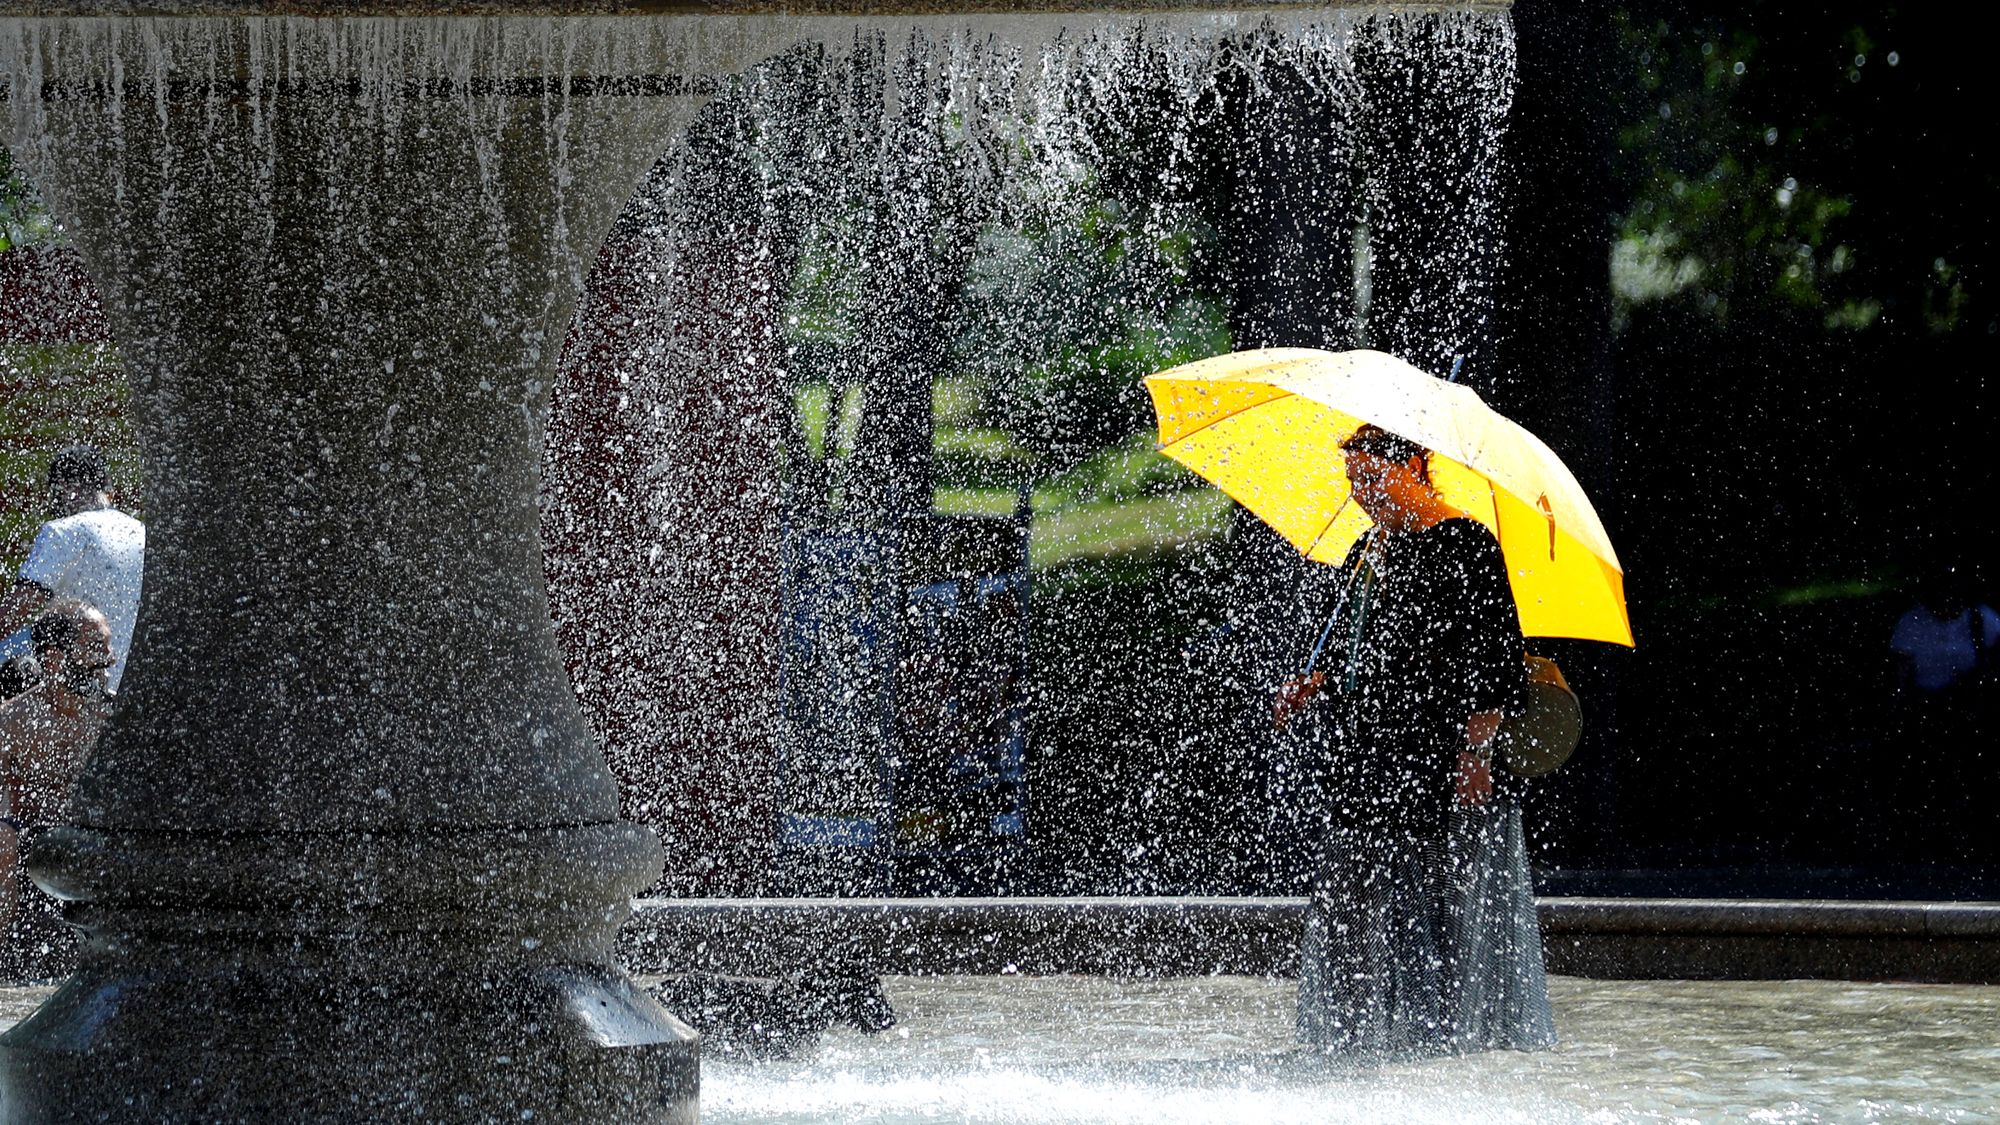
[[1085, 1049], [16, 1001]]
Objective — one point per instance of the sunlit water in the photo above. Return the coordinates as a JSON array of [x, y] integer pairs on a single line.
[[1093, 1050], [1085, 1049]]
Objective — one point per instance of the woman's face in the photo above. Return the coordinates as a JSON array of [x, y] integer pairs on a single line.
[[1380, 485]]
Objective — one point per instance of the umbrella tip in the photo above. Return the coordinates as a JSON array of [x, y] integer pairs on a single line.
[[1457, 365]]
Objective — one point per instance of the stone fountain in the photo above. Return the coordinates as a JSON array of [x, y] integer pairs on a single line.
[[347, 850]]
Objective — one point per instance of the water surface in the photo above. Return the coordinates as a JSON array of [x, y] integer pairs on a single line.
[[1075, 1049], [1090, 1050]]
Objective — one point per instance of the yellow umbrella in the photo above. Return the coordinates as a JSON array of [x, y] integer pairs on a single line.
[[1266, 426]]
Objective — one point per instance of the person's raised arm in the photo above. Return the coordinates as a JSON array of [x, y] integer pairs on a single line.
[[1297, 692], [48, 564], [1293, 695]]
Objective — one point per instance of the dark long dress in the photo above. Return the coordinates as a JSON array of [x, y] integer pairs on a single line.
[[1421, 936]]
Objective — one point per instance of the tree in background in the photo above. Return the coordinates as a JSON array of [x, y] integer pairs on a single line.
[[23, 220]]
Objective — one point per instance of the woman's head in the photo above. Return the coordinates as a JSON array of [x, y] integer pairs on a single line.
[[1378, 442], [1389, 473]]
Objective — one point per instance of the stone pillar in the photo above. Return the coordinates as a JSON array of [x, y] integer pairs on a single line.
[[347, 850]]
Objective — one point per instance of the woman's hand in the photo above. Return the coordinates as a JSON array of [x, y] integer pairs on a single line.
[[1480, 727], [1475, 779], [1475, 762], [1293, 695]]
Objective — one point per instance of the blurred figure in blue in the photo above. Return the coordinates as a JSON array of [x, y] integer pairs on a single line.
[[1946, 641], [1944, 650]]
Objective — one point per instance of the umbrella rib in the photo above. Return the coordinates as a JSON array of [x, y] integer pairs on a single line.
[[1217, 421], [1330, 521]]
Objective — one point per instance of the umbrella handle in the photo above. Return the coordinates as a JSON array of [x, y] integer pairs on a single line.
[[1345, 589], [1320, 645]]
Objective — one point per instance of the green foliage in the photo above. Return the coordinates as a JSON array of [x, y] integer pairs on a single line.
[[1067, 536], [23, 219], [1128, 470], [1722, 211], [50, 397], [1065, 319], [824, 311]]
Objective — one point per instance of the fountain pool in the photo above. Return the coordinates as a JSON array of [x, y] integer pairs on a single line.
[[1090, 1049]]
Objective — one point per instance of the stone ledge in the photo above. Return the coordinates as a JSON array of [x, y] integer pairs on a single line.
[[1695, 939], [1795, 917], [804, 8]]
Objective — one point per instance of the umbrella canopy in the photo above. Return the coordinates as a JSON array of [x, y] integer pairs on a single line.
[[1265, 427]]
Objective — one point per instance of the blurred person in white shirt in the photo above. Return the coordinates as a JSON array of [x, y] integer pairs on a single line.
[[88, 550]]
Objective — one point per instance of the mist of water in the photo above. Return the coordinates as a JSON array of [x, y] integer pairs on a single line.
[[850, 400], [895, 286]]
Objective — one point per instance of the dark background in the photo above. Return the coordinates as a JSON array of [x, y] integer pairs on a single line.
[[1783, 477], [1789, 449]]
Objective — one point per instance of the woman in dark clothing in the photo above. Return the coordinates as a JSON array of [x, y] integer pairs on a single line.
[[1421, 936]]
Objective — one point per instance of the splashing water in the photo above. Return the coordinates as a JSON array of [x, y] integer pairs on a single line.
[[857, 283], [1079, 1049], [875, 318]]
